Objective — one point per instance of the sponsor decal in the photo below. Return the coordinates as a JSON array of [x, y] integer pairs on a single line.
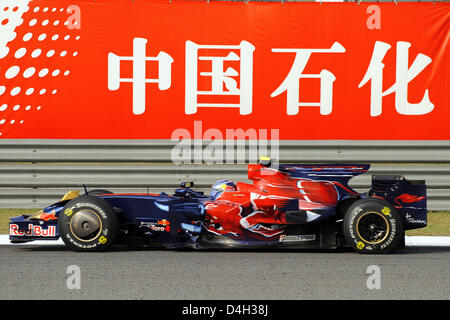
[[392, 234], [164, 222], [32, 231], [297, 238], [79, 245], [217, 75], [48, 216], [407, 198], [412, 220], [158, 226]]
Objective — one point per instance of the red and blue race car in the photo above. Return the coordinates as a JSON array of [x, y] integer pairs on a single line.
[[288, 206]]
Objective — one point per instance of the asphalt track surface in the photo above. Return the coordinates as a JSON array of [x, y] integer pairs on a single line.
[[37, 272]]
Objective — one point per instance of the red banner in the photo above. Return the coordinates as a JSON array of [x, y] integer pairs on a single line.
[[142, 69]]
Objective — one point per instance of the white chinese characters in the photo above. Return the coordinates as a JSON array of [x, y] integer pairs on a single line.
[[220, 78], [404, 75], [291, 83], [139, 79], [228, 71]]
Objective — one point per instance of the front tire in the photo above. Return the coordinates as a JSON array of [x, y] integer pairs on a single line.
[[88, 223], [372, 226]]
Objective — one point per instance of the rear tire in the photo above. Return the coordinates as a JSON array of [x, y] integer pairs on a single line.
[[88, 223], [372, 226]]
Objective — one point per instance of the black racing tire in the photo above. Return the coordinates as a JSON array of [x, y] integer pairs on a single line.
[[97, 192], [373, 226], [87, 224]]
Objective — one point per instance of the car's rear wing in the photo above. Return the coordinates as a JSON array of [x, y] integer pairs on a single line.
[[341, 173], [409, 197]]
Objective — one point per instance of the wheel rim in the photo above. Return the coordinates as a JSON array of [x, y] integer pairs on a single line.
[[86, 225], [372, 227]]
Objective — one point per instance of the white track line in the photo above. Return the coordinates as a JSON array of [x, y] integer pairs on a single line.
[[433, 241], [4, 240], [416, 241]]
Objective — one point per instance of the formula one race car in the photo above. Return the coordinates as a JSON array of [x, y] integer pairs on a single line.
[[290, 206]]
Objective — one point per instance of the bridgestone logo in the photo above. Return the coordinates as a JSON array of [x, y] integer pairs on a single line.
[[93, 206], [84, 246], [392, 235], [297, 238]]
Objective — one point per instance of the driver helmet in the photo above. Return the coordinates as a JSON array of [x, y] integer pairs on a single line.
[[220, 186]]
